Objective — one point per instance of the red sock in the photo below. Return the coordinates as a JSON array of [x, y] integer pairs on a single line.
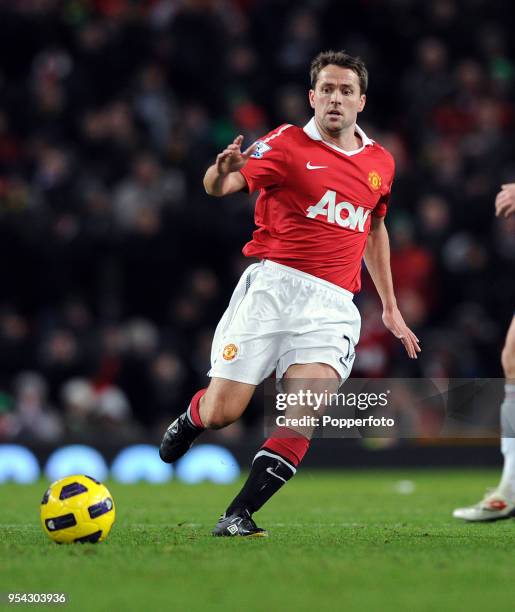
[[289, 444], [193, 412]]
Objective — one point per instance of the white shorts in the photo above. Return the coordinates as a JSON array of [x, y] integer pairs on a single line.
[[279, 316]]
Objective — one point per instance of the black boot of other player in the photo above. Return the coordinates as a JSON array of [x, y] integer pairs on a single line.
[[178, 439], [238, 525]]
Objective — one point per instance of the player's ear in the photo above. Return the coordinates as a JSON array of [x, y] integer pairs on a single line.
[[362, 102], [312, 98]]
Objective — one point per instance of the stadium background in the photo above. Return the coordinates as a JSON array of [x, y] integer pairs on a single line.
[[114, 264]]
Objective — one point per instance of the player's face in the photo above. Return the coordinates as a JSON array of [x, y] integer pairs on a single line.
[[336, 98]]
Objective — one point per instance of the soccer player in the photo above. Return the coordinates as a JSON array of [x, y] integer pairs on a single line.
[[500, 503], [323, 195]]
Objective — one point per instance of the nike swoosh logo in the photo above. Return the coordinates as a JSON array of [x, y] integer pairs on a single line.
[[269, 470], [310, 167], [344, 360]]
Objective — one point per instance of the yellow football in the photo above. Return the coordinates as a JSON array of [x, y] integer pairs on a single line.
[[77, 509]]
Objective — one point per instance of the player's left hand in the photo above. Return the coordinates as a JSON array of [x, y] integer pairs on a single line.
[[505, 201], [394, 321]]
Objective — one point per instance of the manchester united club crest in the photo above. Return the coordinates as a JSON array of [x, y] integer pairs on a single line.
[[374, 180], [230, 351]]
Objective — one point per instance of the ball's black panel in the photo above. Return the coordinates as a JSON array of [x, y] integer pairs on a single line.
[[101, 508], [72, 489], [60, 522], [93, 537], [45, 497]]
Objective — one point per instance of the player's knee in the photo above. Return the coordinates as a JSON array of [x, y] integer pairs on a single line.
[[508, 360]]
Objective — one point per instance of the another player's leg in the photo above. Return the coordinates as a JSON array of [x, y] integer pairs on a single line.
[[222, 403], [500, 503], [278, 458]]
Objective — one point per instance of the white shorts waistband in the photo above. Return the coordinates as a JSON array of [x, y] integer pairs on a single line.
[[314, 279]]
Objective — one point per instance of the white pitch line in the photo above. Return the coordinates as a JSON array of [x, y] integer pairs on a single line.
[[205, 525]]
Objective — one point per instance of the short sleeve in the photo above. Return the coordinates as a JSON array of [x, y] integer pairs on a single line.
[[267, 165], [384, 201]]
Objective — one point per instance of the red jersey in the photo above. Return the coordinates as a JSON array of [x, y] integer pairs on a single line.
[[316, 201]]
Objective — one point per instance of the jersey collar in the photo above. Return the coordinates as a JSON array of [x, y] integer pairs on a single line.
[[312, 131]]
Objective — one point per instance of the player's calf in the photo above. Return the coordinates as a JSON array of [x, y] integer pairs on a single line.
[[508, 363], [217, 418], [224, 402], [508, 354]]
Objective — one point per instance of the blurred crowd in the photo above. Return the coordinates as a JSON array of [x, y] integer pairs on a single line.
[[114, 264]]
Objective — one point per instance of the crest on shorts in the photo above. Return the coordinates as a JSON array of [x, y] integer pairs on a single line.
[[261, 149], [229, 352], [374, 180]]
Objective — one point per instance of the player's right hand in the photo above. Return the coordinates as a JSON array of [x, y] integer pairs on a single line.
[[505, 201], [231, 159]]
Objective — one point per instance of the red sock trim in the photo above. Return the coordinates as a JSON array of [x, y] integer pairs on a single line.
[[194, 408], [289, 444]]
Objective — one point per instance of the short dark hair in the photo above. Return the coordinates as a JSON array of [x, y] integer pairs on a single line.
[[342, 59]]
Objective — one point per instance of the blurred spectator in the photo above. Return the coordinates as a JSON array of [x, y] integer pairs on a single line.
[[154, 104], [426, 83], [167, 379], [434, 221], [148, 189], [33, 417], [8, 427], [78, 401]]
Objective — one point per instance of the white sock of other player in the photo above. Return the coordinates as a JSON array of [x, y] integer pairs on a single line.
[[507, 485]]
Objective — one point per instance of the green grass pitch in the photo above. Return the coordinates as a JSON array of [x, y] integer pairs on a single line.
[[338, 541]]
